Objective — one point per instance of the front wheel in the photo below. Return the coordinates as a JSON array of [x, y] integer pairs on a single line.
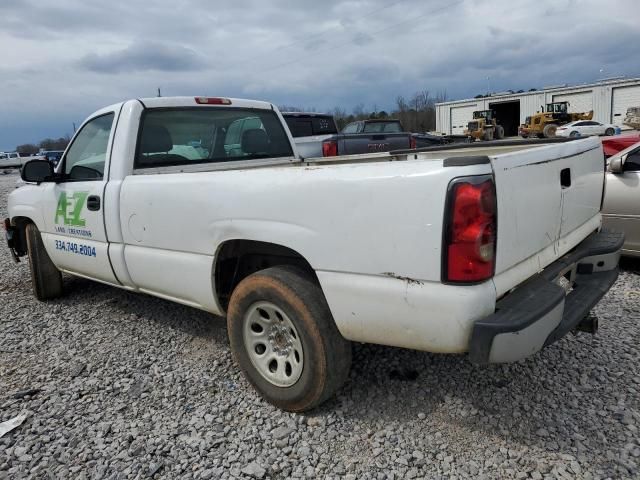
[[609, 132], [549, 130], [574, 134], [284, 339], [45, 277]]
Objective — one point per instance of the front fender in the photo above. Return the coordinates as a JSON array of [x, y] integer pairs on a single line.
[[25, 202]]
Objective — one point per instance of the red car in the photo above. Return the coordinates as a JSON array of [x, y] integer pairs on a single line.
[[613, 145]]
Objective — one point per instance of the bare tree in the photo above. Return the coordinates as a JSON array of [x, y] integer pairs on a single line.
[[27, 149]]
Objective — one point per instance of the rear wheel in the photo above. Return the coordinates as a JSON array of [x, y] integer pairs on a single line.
[[609, 132], [284, 339], [45, 277], [549, 130], [499, 133], [487, 135]]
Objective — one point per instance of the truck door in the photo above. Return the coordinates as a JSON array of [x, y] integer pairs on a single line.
[[621, 210], [75, 236]]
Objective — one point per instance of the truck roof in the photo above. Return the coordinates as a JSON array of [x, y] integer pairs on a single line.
[[159, 102], [380, 120], [307, 114]]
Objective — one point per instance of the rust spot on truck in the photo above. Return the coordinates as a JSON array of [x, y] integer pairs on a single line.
[[409, 280]]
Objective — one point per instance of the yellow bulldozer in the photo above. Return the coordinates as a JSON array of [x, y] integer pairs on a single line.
[[545, 123], [484, 126]]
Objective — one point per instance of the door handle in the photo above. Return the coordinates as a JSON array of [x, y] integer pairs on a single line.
[[93, 203]]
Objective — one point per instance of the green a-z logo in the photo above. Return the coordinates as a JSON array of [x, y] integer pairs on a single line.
[[69, 209]]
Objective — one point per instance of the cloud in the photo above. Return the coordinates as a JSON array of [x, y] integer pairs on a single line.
[[140, 57], [63, 59]]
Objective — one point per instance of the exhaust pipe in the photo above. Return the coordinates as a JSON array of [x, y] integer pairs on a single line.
[[588, 324]]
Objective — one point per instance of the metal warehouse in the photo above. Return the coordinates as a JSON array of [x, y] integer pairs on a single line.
[[609, 100]]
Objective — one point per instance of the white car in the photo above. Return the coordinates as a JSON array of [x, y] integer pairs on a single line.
[[584, 128], [9, 160], [434, 250]]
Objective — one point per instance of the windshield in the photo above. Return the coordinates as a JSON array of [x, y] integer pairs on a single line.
[[556, 107]]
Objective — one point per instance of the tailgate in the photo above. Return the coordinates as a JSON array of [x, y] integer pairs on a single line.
[[544, 194]]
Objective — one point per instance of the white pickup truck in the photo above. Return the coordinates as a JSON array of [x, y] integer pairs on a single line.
[[494, 250]]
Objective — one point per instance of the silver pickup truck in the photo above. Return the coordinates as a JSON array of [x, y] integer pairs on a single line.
[[309, 131], [368, 136]]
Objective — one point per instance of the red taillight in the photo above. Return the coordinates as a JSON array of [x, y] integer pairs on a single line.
[[412, 142], [470, 230], [212, 101], [329, 148]]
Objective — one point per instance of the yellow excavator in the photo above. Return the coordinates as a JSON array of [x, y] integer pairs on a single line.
[[545, 123], [484, 126]]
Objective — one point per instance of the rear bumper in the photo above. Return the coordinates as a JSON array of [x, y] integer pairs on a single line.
[[539, 312]]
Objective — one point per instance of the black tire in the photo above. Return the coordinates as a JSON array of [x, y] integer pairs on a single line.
[[499, 133], [549, 130], [487, 135], [609, 132], [574, 134], [45, 277], [327, 355]]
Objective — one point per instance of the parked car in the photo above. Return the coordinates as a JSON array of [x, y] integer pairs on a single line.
[[52, 155], [621, 209], [433, 250], [309, 130], [613, 145], [368, 136], [9, 159], [583, 128]]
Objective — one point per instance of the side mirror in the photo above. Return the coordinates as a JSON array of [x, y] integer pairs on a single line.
[[37, 171], [617, 164]]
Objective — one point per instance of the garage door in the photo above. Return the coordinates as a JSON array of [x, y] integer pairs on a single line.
[[460, 116], [623, 98], [578, 102]]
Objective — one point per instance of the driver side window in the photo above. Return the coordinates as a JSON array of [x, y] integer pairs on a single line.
[[86, 156]]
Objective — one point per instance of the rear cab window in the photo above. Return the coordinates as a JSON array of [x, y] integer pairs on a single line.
[[187, 135], [309, 125], [382, 127]]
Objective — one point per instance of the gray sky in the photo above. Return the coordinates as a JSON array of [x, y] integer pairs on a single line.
[[63, 59]]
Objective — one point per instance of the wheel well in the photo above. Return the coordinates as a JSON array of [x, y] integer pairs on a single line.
[[20, 240], [237, 259]]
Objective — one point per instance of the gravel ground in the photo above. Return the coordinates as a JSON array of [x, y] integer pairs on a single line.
[[130, 386]]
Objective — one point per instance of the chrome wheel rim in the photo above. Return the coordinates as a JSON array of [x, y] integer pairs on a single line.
[[273, 344]]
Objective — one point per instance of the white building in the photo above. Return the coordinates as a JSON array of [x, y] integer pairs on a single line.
[[609, 100]]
